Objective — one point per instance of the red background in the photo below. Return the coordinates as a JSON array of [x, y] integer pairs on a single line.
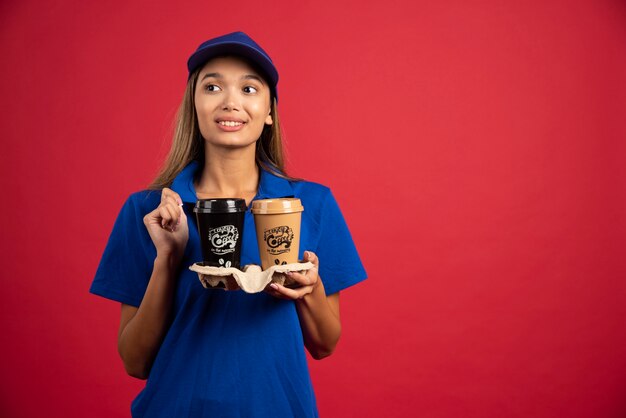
[[477, 149]]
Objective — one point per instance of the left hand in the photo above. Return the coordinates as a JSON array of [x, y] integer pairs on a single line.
[[308, 281]]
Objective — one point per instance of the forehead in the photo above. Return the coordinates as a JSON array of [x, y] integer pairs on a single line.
[[227, 65]]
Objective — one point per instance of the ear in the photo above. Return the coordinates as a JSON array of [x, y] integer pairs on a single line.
[[269, 120]]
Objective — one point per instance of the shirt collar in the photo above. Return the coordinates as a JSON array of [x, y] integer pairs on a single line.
[[183, 182], [270, 185]]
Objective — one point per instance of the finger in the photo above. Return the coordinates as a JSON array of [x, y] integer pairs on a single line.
[[169, 200], [166, 216], [152, 218], [276, 290], [166, 192], [292, 293], [303, 279], [183, 215], [174, 208], [310, 256], [174, 212], [273, 292]]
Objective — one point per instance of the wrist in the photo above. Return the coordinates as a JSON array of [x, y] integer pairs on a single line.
[[169, 261], [317, 292]]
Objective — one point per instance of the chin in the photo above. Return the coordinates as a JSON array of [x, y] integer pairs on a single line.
[[232, 143]]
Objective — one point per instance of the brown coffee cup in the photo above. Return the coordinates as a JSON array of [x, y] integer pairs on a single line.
[[277, 223]]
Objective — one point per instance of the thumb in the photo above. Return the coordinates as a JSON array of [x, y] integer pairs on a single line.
[[310, 256]]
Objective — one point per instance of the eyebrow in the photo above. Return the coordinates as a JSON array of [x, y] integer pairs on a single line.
[[214, 75], [245, 77], [253, 77]]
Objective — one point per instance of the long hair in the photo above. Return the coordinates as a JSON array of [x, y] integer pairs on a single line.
[[188, 144]]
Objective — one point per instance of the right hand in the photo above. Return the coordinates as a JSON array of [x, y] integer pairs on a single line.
[[167, 225]]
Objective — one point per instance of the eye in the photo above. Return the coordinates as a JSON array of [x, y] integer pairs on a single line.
[[249, 89], [212, 87]]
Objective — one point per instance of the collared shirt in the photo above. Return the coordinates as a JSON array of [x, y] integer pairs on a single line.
[[227, 353]]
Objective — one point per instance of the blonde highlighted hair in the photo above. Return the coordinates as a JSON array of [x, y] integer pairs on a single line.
[[188, 144]]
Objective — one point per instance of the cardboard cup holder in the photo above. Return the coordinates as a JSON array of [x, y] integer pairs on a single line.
[[251, 280]]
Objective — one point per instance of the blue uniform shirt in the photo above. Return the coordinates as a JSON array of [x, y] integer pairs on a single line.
[[227, 353]]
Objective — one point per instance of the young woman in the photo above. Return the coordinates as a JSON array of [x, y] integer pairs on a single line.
[[215, 353]]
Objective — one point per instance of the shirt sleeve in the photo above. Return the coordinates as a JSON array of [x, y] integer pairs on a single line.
[[340, 264], [126, 265]]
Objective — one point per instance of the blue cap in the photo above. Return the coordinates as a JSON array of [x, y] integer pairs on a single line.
[[239, 44]]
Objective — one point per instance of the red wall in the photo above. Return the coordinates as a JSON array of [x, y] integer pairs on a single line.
[[477, 149]]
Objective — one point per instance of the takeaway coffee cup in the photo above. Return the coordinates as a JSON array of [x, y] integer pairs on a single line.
[[277, 223], [220, 225]]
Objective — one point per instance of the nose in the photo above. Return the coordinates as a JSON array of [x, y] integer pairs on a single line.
[[230, 100]]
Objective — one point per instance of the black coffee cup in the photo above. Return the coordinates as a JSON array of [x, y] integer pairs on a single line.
[[220, 224]]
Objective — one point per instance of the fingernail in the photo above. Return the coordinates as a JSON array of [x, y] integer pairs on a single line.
[[274, 286]]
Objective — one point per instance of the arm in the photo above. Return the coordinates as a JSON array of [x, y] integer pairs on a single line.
[[318, 313], [319, 319], [142, 329]]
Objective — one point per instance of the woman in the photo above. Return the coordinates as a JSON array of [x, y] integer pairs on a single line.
[[211, 352]]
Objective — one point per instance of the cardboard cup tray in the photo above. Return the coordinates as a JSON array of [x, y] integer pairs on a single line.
[[251, 280]]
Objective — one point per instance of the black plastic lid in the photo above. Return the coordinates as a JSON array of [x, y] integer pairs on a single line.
[[220, 206]]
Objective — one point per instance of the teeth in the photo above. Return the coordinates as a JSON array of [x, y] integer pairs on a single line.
[[229, 123]]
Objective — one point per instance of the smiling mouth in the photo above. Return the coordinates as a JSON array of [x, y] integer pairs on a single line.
[[230, 123]]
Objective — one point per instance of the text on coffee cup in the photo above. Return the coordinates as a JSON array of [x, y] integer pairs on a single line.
[[223, 239], [278, 239]]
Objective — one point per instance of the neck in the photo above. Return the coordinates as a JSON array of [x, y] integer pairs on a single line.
[[228, 173]]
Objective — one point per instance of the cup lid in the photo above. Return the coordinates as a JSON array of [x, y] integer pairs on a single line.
[[220, 205], [276, 206]]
